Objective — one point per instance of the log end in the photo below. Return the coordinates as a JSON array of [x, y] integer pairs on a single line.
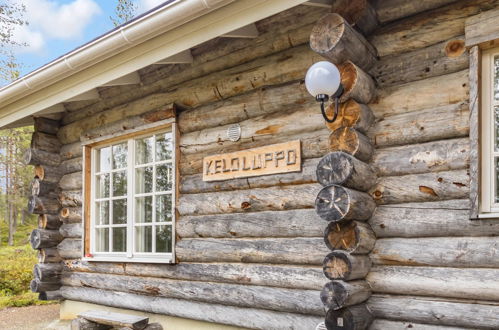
[[326, 34]]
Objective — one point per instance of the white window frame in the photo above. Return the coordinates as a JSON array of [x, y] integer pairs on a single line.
[[89, 179], [487, 206]]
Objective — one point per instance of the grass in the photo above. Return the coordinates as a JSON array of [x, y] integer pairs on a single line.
[[16, 268]]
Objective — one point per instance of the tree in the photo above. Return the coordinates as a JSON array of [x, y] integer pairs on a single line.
[[125, 10]]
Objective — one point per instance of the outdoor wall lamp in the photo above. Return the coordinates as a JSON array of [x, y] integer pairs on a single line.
[[323, 81]]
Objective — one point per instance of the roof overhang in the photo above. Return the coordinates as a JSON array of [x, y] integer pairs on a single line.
[[169, 30]]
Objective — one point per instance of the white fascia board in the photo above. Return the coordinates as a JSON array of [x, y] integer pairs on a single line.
[[184, 57], [216, 23], [248, 31], [128, 79]]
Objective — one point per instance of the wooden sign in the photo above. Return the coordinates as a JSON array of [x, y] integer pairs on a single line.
[[271, 159]]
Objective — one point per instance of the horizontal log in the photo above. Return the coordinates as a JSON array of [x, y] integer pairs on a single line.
[[73, 230], [45, 142], [299, 119], [336, 40], [43, 204], [422, 187], [430, 219], [46, 125], [294, 223], [351, 114], [357, 84], [352, 236], [277, 299], [340, 294], [70, 248], [49, 221], [341, 265], [70, 214], [313, 144], [306, 251], [71, 165], [480, 284], [380, 324], [427, 28], [474, 315], [37, 157], [443, 58], [428, 93], [342, 169], [39, 286], [71, 150], [336, 203], [50, 295], [47, 272], [70, 198], [450, 121], [357, 317], [283, 276], [247, 317], [72, 181], [46, 173], [391, 10], [194, 183], [48, 255], [358, 13], [348, 140], [465, 252], [42, 238], [217, 86], [435, 156], [253, 200], [38, 187]]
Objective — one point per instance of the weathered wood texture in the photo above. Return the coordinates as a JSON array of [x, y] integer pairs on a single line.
[[42, 238], [39, 286], [481, 30], [116, 320], [45, 125], [427, 28], [50, 295], [73, 230], [285, 300], [38, 187], [283, 276], [71, 181], [391, 10], [36, 157], [340, 294], [351, 114], [430, 219], [291, 223], [70, 248], [336, 40], [357, 84], [423, 94], [43, 204], [342, 169], [444, 155], [340, 265], [49, 221], [356, 317], [306, 251], [48, 255], [70, 198], [71, 150], [260, 199], [46, 142], [71, 165], [465, 252], [380, 324], [475, 77], [439, 59], [422, 187], [352, 236], [358, 13], [479, 283], [436, 311], [352, 142], [47, 272], [247, 317], [70, 214], [336, 203]]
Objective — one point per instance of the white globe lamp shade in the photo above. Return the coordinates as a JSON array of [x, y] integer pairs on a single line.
[[322, 78]]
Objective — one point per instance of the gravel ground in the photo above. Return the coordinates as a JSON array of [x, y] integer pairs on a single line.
[[28, 318]]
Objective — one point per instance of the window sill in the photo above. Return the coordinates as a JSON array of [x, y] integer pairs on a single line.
[[144, 260], [492, 215]]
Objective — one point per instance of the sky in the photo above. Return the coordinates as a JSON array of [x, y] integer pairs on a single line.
[[56, 27]]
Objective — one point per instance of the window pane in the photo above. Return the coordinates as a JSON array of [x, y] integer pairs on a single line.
[[104, 159], [119, 211], [143, 180], [103, 186], [143, 150], [143, 209], [164, 177], [163, 239], [102, 240], [164, 146], [496, 78], [119, 183], [119, 239], [119, 155], [164, 208], [102, 214], [143, 239], [496, 168]]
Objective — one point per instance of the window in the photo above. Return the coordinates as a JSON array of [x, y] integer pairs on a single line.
[[130, 198], [489, 199]]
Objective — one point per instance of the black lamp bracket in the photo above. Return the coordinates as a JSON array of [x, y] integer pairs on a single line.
[[323, 98]]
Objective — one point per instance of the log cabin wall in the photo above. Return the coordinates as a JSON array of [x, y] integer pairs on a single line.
[[250, 251]]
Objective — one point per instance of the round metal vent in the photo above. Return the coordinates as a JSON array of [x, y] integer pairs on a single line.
[[234, 132]]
